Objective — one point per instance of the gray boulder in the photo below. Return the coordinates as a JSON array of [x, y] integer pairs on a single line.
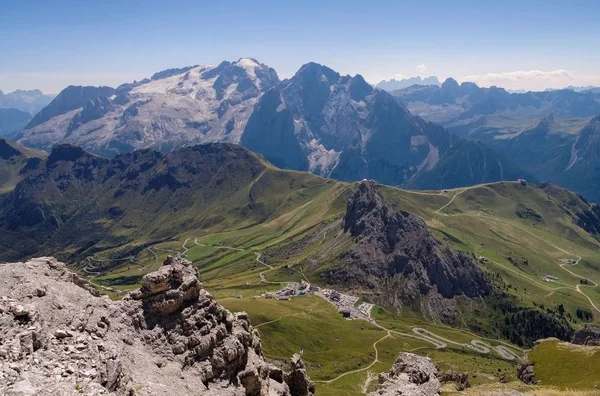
[[169, 337], [411, 375]]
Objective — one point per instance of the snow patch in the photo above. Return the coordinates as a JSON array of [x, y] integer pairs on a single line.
[[249, 65], [321, 160], [432, 159]]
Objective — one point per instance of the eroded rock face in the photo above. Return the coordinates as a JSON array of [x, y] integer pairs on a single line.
[[169, 337], [411, 375], [396, 254], [526, 373], [587, 336], [297, 379]]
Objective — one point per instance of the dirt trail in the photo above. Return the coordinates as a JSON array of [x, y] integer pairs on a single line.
[[261, 275], [418, 333], [562, 266], [266, 323], [362, 369], [452, 200]]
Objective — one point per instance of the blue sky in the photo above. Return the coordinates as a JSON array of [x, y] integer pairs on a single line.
[[518, 44]]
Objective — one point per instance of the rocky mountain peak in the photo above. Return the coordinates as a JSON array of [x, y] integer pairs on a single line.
[[396, 252], [411, 375], [170, 337], [169, 289], [450, 87], [245, 72], [359, 88], [316, 72], [365, 209]]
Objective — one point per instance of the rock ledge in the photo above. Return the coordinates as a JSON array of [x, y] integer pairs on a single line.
[[170, 337]]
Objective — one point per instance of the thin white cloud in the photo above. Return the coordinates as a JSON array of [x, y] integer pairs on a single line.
[[421, 69], [532, 79]]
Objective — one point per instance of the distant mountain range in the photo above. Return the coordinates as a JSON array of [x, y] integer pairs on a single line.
[[17, 108], [338, 126], [589, 88], [29, 101], [554, 135], [13, 120], [392, 84], [318, 120]]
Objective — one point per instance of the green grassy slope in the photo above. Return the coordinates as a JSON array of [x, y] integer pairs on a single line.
[[566, 365], [224, 216]]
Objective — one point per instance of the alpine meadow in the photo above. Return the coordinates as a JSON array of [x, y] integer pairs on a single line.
[[299, 199]]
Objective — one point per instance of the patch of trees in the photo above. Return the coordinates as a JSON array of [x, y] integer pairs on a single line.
[[523, 326], [528, 213], [584, 315]]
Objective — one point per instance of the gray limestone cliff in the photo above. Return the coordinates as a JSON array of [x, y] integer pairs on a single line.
[[170, 337]]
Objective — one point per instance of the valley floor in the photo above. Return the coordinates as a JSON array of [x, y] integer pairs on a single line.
[[344, 356]]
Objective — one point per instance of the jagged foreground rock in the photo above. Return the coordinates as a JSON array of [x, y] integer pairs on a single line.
[[169, 337], [411, 375]]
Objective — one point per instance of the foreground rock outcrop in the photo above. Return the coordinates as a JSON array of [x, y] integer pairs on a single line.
[[411, 375], [526, 373], [169, 337], [587, 336]]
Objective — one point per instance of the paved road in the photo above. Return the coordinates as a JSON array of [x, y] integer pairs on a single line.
[[418, 333]]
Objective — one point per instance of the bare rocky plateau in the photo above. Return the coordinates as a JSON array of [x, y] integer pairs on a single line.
[[58, 337], [411, 375]]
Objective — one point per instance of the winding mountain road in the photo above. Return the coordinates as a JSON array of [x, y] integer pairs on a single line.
[[417, 333], [437, 341], [561, 265]]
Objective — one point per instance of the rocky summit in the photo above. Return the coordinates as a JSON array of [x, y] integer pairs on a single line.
[[168, 338], [411, 375], [396, 254]]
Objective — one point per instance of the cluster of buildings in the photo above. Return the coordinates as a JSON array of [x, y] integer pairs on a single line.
[[292, 289], [348, 306]]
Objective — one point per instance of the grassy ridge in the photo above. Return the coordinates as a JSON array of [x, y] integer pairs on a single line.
[[566, 365], [482, 220]]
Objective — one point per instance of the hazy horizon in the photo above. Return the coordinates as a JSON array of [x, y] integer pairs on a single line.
[[514, 45]]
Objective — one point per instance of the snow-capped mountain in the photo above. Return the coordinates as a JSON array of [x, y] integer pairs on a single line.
[[318, 120], [176, 107], [30, 101], [341, 127]]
